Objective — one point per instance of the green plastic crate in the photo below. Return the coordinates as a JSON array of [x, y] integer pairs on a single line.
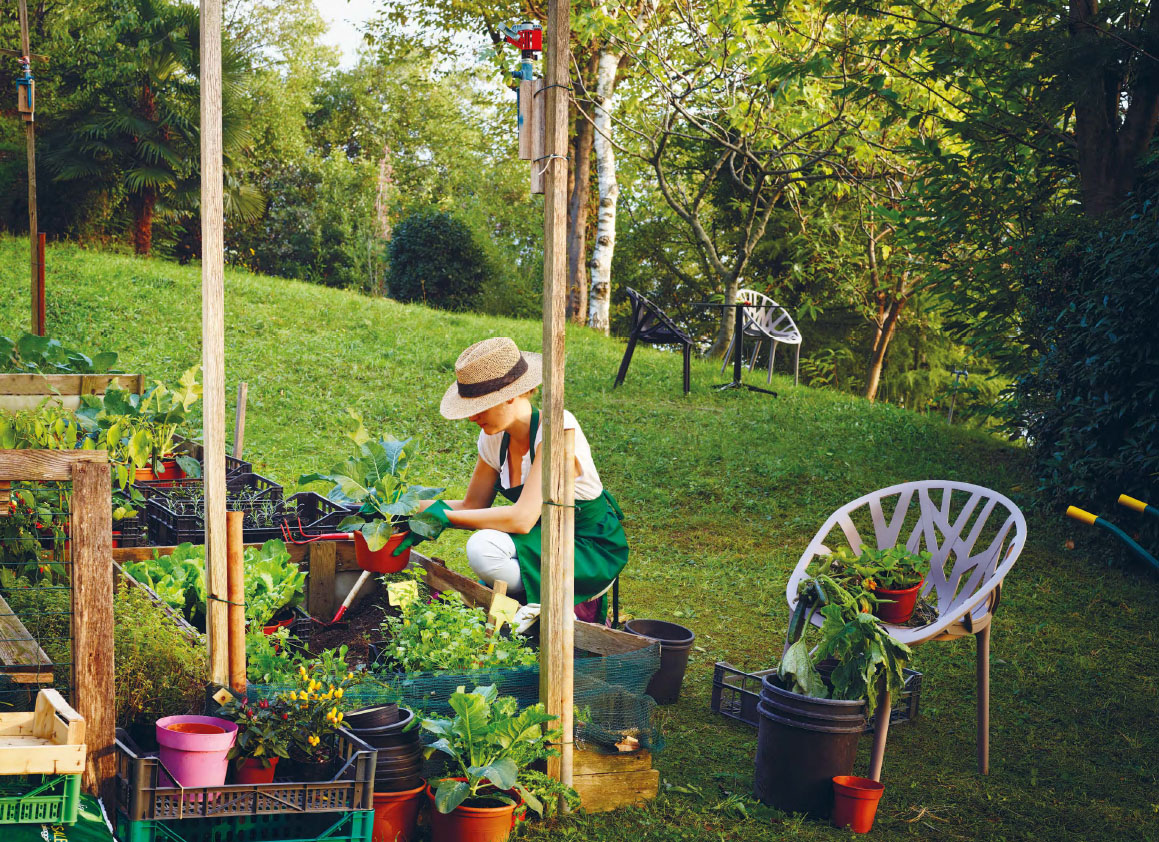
[[39, 799], [350, 826]]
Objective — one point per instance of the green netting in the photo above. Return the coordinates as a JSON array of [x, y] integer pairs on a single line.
[[609, 694]]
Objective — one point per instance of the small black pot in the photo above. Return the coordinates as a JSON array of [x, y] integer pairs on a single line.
[[380, 716], [402, 720], [675, 642]]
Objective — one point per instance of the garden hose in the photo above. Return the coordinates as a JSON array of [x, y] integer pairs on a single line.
[[1138, 505], [1093, 520]]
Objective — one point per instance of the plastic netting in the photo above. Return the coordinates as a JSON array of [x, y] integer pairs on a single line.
[[610, 701]]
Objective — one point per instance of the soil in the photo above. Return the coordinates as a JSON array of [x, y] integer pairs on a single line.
[[357, 630]]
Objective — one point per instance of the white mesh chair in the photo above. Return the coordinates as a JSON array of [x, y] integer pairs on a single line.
[[974, 534], [768, 321]]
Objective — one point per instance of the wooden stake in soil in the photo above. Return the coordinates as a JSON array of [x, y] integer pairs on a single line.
[[30, 143], [239, 421], [213, 337], [235, 557]]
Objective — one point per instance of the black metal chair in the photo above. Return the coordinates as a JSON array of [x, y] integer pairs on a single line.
[[651, 324]]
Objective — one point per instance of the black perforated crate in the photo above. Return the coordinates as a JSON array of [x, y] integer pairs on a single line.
[[736, 694], [132, 531], [312, 514]]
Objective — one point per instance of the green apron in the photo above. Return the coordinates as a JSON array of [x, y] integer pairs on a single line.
[[601, 548]]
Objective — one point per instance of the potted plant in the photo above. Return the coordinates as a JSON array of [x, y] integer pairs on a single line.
[[263, 737], [314, 717], [490, 742], [813, 707], [375, 482], [894, 576]]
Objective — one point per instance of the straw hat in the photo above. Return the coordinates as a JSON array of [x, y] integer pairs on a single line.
[[489, 373]]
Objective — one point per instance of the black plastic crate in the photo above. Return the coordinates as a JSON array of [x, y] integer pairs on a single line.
[[233, 465], [171, 524], [736, 694], [132, 531], [142, 795], [314, 514], [246, 485]]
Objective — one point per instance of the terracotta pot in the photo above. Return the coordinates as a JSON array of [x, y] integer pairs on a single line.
[[900, 606], [855, 802], [472, 824], [396, 815], [144, 474], [251, 771], [381, 561]]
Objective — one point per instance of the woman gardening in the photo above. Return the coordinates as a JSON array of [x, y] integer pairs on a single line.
[[493, 385]]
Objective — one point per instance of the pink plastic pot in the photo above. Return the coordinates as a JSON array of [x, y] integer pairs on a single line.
[[194, 748]]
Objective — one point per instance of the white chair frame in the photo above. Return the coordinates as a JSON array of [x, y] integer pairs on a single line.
[[769, 320], [966, 595]]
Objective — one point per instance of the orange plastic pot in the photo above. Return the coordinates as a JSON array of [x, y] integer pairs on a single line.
[[381, 561], [472, 824], [396, 815], [143, 475], [900, 606], [855, 802], [252, 772]]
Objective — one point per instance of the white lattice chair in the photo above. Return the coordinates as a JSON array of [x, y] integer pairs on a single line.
[[950, 520], [768, 320]]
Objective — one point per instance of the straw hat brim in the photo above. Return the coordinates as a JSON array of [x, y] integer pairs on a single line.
[[455, 407]]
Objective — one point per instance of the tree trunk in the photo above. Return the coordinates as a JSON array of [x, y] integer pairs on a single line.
[[877, 358], [579, 208], [602, 251], [143, 206], [727, 319]]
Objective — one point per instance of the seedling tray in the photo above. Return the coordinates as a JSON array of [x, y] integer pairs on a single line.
[[315, 515], [736, 694], [247, 483], [132, 531], [352, 826], [39, 799], [141, 795]]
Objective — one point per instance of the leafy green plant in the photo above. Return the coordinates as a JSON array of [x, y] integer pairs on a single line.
[[48, 426], [894, 568], [264, 729], [33, 354], [446, 634], [491, 741], [376, 480]]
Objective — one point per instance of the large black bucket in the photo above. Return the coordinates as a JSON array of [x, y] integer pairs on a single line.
[[802, 743], [675, 643]]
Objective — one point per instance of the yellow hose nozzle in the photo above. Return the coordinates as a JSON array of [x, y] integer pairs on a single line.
[[1132, 503], [1081, 516]]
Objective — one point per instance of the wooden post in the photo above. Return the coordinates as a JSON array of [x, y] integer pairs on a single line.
[[323, 556], [557, 616], [213, 337], [38, 301], [538, 136], [91, 533], [30, 143], [526, 118], [239, 421], [235, 556]]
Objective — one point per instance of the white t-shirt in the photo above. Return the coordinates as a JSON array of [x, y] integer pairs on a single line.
[[587, 481]]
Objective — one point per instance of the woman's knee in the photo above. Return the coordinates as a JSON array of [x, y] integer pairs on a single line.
[[493, 557]]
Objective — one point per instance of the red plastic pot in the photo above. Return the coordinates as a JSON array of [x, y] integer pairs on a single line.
[[396, 815], [251, 771], [855, 802], [169, 470], [280, 624], [472, 824], [381, 561], [900, 606]]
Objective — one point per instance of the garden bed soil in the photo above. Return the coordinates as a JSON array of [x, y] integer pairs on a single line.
[[358, 628]]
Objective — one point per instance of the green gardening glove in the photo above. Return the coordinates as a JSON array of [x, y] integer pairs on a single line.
[[425, 526]]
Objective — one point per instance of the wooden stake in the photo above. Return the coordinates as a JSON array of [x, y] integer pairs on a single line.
[[526, 118], [557, 617], [91, 533], [235, 558], [30, 143], [239, 421], [213, 337], [538, 136], [38, 301]]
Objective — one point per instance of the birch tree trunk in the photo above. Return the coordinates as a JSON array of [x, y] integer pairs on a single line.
[[609, 187]]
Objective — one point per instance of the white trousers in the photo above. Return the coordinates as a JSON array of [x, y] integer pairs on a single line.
[[492, 557]]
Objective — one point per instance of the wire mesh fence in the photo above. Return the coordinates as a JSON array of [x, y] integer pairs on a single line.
[[35, 592]]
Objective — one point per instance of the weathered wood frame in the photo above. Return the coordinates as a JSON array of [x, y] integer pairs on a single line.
[[26, 391], [91, 535]]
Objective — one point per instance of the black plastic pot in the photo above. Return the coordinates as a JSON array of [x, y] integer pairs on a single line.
[[675, 644], [802, 743], [376, 717]]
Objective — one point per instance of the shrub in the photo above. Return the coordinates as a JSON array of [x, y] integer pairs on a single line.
[[435, 260]]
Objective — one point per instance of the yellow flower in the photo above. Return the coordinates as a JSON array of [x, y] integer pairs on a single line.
[[338, 693], [349, 675], [339, 719], [313, 740]]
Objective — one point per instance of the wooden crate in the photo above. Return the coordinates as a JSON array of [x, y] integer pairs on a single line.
[[610, 781], [48, 741], [25, 391]]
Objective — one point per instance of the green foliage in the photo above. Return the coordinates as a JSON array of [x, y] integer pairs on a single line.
[[446, 634], [491, 741], [48, 426], [159, 672], [434, 260], [30, 353], [264, 729], [894, 568]]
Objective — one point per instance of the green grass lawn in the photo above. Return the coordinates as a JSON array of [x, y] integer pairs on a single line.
[[722, 492]]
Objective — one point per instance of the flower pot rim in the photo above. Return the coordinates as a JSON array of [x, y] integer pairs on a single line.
[[401, 794], [901, 590], [467, 809], [853, 786]]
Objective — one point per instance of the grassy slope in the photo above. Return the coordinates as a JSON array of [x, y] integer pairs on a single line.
[[721, 491]]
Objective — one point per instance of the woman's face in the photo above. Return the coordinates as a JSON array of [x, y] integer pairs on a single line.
[[494, 420]]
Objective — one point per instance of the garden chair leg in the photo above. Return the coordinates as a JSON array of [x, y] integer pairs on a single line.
[[687, 369], [756, 353], [880, 731], [797, 366], [772, 358], [624, 362], [728, 354], [983, 638]]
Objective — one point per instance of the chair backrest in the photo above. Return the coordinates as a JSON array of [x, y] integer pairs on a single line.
[[652, 324], [769, 318], [974, 535]]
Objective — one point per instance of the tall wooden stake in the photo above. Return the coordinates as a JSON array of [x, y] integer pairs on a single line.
[[557, 616], [213, 337], [235, 557], [30, 141]]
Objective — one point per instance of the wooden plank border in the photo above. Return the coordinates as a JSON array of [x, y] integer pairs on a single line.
[[47, 465]]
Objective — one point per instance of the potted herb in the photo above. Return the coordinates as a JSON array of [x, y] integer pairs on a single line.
[[894, 576], [263, 737], [375, 482], [314, 719], [490, 743], [813, 708]]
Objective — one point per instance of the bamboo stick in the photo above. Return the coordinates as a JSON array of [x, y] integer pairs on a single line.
[[235, 555]]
